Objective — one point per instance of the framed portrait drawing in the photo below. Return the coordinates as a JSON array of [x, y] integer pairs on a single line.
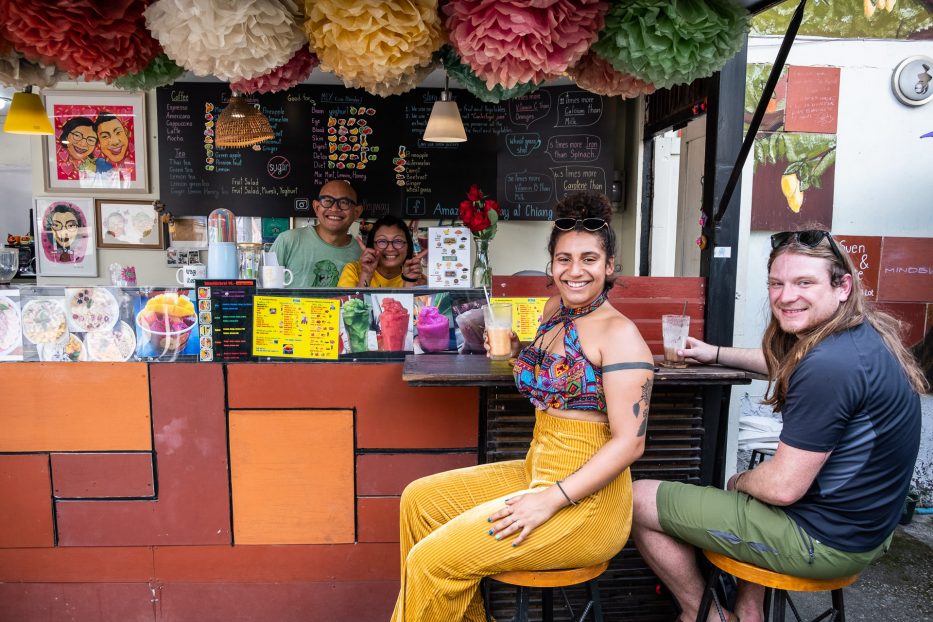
[[188, 232], [65, 244], [128, 224], [99, 142]]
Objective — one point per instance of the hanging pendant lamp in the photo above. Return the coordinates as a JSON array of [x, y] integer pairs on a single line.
[[27, 115], [242, 124], [445, 124]]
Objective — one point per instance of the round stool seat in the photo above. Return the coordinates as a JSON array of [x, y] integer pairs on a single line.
[[550, 578], [776, 580]]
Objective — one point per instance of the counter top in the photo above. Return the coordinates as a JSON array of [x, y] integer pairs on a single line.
[[475, 370]]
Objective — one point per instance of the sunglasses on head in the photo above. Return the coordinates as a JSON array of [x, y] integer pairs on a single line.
[[577, 224], [810, 238]]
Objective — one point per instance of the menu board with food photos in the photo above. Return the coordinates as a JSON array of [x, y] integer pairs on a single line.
[[225, 319], [527, 153]]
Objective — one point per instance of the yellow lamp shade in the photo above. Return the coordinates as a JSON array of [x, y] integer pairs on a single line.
[[27, 116], [444, 124]]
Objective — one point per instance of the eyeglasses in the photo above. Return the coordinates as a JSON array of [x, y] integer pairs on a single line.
[[576, 224], [77, 137], [384, 244], [70, 225], [810, 238], [343, 204]]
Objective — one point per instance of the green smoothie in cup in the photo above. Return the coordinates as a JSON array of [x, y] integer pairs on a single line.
[[356, 317]]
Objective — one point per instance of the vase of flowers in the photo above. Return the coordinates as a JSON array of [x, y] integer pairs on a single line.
[[481, 215]]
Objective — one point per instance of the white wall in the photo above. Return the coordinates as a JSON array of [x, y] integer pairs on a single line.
[[882, 181]]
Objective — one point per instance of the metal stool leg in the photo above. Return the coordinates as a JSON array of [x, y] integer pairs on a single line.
[[487, 605], [521, 607], [839, 606], [769, 593], [780, 604], [708, 593], [593, 587]]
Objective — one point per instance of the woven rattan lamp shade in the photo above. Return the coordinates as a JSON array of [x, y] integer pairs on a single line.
[[242, 125]]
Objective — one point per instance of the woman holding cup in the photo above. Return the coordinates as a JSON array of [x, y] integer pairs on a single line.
[[589, 374]]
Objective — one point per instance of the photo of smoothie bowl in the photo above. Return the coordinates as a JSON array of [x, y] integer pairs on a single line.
[[166, 322], [10, 326], [44, 322], [71, 351], [111, 345], [91, 308]]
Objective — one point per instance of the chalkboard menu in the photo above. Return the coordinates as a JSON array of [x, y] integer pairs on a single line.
[[527, 152]]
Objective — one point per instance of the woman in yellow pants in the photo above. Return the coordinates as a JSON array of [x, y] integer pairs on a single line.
[[569, 503]]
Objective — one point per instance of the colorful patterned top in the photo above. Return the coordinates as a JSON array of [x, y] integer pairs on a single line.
[[568, 382]]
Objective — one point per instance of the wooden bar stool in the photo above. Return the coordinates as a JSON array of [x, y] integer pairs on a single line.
[[547, 580], [776, 585]]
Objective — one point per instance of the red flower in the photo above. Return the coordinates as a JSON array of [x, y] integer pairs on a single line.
[[477, 211]]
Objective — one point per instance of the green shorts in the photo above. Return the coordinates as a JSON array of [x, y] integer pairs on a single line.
[[740, 526]]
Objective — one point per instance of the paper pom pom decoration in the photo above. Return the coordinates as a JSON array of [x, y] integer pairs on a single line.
[[465, 76], [597, 76], [160, 72], [230, 40], [17, 72], [374, 44], [667, 43], [511, 42], [409, 80], [281, 78], [87, 38]]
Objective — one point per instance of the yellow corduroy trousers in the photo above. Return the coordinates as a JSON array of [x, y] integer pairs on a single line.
[[445, 542]]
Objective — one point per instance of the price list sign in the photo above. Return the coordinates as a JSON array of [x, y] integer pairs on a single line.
[[225, 310], [300, 328]]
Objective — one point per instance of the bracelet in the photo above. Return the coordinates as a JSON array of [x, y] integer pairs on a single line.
[[566, 496], [718, 348], [408, 280], [735, 482]]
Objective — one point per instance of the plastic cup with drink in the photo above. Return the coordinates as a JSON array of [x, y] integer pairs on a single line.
[[498, 318], [674, 329]]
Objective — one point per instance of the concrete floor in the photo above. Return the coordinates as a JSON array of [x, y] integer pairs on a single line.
[[896, 588]]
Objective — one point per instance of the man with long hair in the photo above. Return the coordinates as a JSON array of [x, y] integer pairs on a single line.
[[827, 503]]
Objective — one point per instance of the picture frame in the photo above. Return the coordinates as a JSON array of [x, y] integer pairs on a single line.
[[99, 142], [188, 232], [65, 237], [128, 224]]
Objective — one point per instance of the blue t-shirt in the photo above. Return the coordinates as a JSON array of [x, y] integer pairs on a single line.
[[850, 396]]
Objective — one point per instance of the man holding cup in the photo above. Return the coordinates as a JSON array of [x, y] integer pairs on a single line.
[[827, 503], [316, 255]]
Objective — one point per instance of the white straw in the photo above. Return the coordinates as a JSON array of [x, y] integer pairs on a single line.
[[486, 293]]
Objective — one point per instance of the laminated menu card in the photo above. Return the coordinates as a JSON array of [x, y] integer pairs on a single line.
[[450, 256], [225, 319]]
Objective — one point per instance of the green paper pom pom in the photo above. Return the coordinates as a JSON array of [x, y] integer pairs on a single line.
[[160, 72], [476, 85], [667, 43]]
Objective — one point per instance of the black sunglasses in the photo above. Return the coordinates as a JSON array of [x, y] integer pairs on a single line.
[[810, 238], [576, 224]]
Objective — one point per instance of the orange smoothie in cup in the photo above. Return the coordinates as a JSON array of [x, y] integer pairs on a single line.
[[393, 325]]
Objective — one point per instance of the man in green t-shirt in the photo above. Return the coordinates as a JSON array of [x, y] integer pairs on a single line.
[[316, 255]]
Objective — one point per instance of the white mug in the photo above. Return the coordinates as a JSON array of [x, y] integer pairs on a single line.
[[187, 274], [275, 276]]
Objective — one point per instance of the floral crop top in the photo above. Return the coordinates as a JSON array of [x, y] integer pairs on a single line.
[[569, 382]]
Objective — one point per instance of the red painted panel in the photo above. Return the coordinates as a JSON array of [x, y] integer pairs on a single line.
[[80, 476], [77, 602], [191, 456], [865, 252], [906, 270], [389, 413], [812, 99], [25, 501], [270, 563], [76, 565], [380, 475], [377, 519], [282, 602], [913, 315]]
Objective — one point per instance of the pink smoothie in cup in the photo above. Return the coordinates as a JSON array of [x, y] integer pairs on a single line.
[[433, 330]]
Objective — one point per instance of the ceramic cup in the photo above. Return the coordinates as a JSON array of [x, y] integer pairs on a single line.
[[186, 275], [276, 276]]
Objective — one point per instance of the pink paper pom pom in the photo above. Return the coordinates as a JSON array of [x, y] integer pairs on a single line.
[[597, 75], [508, 42], [92, 39], [281, 78]]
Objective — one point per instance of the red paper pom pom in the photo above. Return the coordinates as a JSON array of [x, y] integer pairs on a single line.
[[281, 78]]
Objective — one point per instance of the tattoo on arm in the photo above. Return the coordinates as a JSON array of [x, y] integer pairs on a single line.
[[638, 409]]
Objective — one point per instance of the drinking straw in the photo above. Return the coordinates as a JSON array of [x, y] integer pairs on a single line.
[[684, 312], [486, 293]]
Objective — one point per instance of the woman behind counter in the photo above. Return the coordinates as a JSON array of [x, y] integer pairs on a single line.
[[569, 502], [388, 258]]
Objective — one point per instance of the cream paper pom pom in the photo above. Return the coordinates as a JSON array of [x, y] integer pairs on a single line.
[[231, 40], [381, 46], [17, 72]]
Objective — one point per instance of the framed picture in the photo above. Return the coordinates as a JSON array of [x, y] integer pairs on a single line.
[[66, 241], [188, 232], [128, 224], [99, 142]]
